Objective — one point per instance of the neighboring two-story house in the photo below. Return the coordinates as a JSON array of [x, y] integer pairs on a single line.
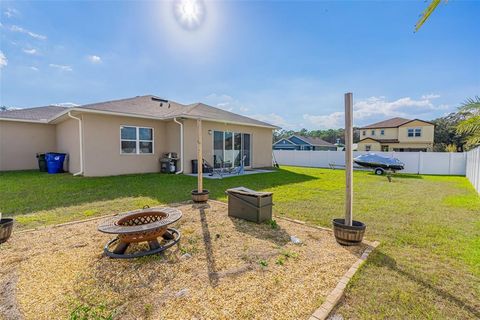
[[397, 134], [303, 143]]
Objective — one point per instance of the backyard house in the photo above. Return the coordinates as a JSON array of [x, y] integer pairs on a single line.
[[130, 136], [397, 134], [297, 142]]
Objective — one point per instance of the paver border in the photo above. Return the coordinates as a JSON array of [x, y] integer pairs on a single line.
[[333, 298]]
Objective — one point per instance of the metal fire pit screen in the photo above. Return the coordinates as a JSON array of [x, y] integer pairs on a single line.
[[146, 225]]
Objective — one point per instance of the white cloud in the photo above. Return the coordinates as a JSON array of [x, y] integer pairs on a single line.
[[61, 67], [34, 68], [11, 12], [30, 33], [30, 51], [376, 109], [274, 119], [430, 96], [94, 59], [331, 121], [66, 104], [3, 60], [226, 102]]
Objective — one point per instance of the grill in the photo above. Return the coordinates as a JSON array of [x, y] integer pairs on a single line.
[[145, 225]]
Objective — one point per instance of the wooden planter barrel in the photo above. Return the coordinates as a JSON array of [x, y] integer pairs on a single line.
[[348, 235], [6, 226], [200, 196]]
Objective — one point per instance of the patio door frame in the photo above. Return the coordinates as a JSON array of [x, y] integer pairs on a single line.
[[233, 146]]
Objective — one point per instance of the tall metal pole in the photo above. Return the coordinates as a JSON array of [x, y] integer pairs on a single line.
[[199, 157], [348, 157]]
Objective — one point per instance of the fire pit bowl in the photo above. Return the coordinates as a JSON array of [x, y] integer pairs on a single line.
[[145, 225], [6, 226]]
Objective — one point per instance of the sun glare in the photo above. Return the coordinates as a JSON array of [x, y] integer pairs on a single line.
[[189, 13]]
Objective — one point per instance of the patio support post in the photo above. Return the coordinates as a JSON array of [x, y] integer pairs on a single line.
[[199, 157], [348, 158]]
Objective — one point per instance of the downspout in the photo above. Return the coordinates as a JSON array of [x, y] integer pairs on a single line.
[[81, 142], [181, 145]]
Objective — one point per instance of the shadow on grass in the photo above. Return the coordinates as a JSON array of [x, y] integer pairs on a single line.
[[385, 261], [207, 239], [30, 191]]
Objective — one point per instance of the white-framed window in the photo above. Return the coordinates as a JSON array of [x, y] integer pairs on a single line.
[[373, 132], [136, 140], [414, 132], [382, 132], [364, 132]]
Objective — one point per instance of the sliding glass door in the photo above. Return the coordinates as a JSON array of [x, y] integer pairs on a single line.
[[230, 148]]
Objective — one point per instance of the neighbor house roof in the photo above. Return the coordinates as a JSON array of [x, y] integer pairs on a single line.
[[314, 141], [33, 114], [392, 123], [150, 106]]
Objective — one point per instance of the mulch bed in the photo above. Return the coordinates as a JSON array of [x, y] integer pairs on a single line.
[[223, 268]]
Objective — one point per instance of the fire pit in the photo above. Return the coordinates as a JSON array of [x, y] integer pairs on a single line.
[[145, 225]]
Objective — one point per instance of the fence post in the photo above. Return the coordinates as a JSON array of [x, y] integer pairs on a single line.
[[420, 162]]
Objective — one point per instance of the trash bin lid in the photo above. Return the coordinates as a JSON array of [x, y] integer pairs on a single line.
[[249, 192]]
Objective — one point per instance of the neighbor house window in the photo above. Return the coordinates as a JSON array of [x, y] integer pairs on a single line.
[[382, 132], [364, 132], [373, 132], [415, 132], [136, 140], [368, 147]]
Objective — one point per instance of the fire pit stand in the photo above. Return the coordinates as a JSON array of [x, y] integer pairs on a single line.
[[145, 225]]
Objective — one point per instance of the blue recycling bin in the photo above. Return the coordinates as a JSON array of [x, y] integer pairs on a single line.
[[55, 162]]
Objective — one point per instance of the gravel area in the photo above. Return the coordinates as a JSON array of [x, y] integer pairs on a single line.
[[223, 268]]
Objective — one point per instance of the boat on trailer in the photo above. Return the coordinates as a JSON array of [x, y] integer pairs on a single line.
[[378, 163]]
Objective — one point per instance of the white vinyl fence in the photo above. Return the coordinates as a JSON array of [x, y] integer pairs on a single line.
[[473, 168], [445, 163]]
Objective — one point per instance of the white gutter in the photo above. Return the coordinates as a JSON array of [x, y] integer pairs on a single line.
[[24, 120], [181, 145], [80, 131]]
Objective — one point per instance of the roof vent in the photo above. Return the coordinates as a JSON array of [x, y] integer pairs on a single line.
[[154, 98]]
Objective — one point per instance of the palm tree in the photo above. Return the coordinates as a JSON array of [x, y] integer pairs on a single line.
[[470, 110], [426, 14]]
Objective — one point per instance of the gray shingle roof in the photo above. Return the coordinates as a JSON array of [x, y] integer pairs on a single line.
[[314, 141], [151, 106], [148, 106], [35, 114]]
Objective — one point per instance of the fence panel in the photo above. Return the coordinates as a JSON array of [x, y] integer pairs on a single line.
[[473, 168], [415, 162]]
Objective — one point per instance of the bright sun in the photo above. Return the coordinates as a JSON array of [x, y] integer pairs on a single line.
[[189, 13]]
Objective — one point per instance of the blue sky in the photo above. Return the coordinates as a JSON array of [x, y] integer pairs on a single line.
[[287, 63]]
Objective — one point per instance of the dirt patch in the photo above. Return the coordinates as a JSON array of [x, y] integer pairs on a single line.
[[223, 268]]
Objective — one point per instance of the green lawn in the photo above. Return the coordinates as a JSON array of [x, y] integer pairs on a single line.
[[427, 266]]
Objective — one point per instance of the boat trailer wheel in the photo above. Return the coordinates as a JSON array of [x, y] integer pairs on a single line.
[[379, 171]]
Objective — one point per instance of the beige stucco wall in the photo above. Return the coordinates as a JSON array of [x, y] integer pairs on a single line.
[[427, 132], [390, 133], [374, 146], [102, 155], [261, 139], [20, 141], [68, 141]]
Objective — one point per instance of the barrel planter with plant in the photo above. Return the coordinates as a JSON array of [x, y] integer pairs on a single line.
[[348, 231]]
